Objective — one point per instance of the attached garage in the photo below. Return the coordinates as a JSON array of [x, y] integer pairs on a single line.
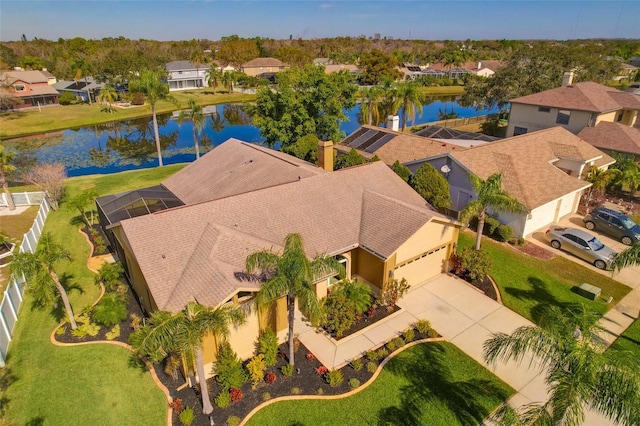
[[422, 268]]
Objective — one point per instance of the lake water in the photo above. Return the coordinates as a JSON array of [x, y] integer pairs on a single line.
[[129, 145]]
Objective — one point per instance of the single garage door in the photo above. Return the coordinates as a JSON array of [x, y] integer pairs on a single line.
[[421, 269]]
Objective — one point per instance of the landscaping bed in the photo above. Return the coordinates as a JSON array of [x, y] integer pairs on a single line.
[[373, 315]]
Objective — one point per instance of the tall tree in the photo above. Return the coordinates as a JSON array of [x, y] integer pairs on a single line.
[[409, 99], [39, 271], [490, 196], [376, 65], [198, 58], [194, 114], [599, 179], [291, 274], [433, 187], [6, 167], [307, 101], [82, 68], [154, 85], [214, 75], [236, 51], [370, 104], [567, 349], [108, 94], [184, 333]]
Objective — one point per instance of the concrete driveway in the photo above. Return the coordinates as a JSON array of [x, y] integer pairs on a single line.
[[629, 276]]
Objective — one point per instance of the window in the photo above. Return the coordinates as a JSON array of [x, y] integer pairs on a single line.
[[563, 116], [544, 109], [519, 131], [620, 115], [19, 87]]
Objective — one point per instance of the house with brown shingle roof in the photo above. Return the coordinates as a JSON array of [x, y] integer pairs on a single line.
[[263, 66], [31, 88], [572, 106], [542, 170], [365, 216], [613, 138]]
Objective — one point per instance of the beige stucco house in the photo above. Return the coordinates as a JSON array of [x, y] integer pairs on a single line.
[[241, 198], [259, 66], [572, 106]]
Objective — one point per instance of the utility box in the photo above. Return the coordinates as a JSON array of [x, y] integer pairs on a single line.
[[589, 291]]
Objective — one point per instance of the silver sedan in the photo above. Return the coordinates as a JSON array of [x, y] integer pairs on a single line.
[[581, 244]]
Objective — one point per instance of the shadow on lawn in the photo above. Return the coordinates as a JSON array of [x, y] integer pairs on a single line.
[[431, 381], [540, 294], [6, 379], [57, 309]]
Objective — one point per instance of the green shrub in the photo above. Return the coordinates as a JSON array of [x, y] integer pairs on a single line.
[[401, 170], [357, 364], [432, 333], [422, 326], [372, 355], [490, 225], [320, 391], [295, 391], [408, 335], [267, 345], [431, 185], [233, 421], [114, 333], [256, 368], [382, 353], [109, 274], [334, 378], [110, 310], [266, 396], [393, 291], [67, 98], [356, 293], [85, 327], [223, 399], [187, 416], [229, 370], [395, 343], [137, 98], [372, 367], [338, 314], [476, 263], [503, 233], [287, 370], [354, 383]]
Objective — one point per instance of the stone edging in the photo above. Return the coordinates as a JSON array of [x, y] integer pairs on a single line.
[[497, 290], [343, 395]]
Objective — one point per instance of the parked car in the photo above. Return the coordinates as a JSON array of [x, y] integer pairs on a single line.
[[613, 223], [581, 244]]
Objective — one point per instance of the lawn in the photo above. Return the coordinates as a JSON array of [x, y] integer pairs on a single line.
[[14, 227], [427, 384], [629, 340], [97, 384], [527, 283], [51, 119]]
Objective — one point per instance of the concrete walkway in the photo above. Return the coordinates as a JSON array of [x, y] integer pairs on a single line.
[[466, 318]]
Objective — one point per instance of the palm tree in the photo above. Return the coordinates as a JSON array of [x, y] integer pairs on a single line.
[[154, 85], [490, 196], [409, 99], [109, 95], [195, 115], [198, 58], [184, 333], [567, 348], [214, 75], [41, 277], [81, 68], [599, 179], [630, 177], [6, 167], [629, 257], [369, 105], [291, 274], [228, 78], [389, 96], [356, 293]]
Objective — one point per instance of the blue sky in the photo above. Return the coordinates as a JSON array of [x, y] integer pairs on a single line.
[[437, 20]]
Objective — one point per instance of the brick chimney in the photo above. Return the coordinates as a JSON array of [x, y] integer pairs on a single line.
[[325, 155], [567, 78]]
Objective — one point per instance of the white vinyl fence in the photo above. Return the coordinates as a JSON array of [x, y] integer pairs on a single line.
[[14, 293]]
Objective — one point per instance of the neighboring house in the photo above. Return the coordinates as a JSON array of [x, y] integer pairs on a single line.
[[613, 138], [483, 68], [390, 145], [184, 75], [331, 68], [542, 170], [572, 106], [31, 87], [365, 216], [626, 72], [51, 79], [81, 88], [263, 66]]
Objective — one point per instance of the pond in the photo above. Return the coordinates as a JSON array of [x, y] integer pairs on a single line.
[[129, 145]]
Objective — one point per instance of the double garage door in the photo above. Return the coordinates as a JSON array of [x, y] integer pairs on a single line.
[[424, 267]]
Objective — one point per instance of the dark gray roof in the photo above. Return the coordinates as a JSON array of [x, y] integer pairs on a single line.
[[438, 132], [139, 202], [368, 140], [183, 65]]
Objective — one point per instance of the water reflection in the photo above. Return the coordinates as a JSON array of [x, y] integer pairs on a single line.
[[128, 145]]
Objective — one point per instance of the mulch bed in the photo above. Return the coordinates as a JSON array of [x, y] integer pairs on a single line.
[[304, 379], [98, 239], [535, 251], [366, 320]]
